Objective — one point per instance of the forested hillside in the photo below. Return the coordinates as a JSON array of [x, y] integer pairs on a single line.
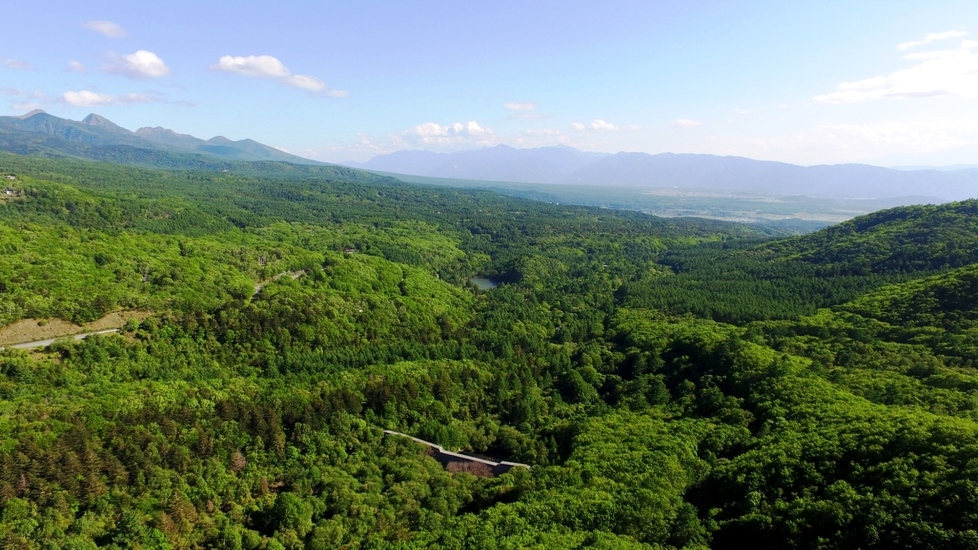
[[741, 281], [672, 383]]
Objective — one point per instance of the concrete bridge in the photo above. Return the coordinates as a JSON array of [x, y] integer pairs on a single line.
[[448, 457]]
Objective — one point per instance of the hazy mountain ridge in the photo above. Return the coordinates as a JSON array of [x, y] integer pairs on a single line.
[[34, 131], [499, 163], [566, 165]]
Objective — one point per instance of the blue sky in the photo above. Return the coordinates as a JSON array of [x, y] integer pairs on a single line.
[[891, 83]]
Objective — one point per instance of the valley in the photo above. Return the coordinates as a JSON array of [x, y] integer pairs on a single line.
[[498, 276], [669, 382]]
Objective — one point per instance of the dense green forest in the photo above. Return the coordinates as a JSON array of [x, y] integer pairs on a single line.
[[672, 382]]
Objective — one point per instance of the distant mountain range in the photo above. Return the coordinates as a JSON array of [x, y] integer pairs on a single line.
[[98, 138], [566, 165], [499, 163]]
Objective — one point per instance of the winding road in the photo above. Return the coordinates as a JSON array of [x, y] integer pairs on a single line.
[[49, 341], [82, 336]]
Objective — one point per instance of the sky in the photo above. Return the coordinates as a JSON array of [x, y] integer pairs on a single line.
[[893, 83]]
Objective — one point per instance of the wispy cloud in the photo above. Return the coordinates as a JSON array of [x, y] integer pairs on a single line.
[[138, 65], [685, 123], [26, 107], [933, 37], [949, 72], [87, 98], [600, 125], [17, 92], [15, 64], [267, 66], [523, 110], [76, 66], [831, 143], [463, 136], [901, 137], [24, 100], [541, 137], [306, 82], [252, 65], [448, 137], [106, 28]]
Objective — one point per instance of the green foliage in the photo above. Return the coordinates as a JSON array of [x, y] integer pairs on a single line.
[[790, 278], [298, 311]]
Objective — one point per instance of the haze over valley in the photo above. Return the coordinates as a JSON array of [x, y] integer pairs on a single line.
[[558, 275], [729, 188]]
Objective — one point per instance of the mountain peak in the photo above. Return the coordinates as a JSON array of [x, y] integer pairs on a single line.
[[88, 137], [30, 114], [100, 121]]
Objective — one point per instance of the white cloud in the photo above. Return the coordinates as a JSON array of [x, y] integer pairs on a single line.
[[741, 111], [140, 64], [147, 64], [15, 64], [933, 37], [76, 66], [253, 65], [600, 125], [437, 136], [435, 132], [266, 66], [105, 28], [936, 73], [685, 123], [85, 98]]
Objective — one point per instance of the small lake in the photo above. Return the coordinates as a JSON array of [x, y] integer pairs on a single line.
[[483, 283]]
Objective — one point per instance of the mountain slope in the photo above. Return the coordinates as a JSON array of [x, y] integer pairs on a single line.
[[93, 130], [39, 132], [245, 149], [794, 277]]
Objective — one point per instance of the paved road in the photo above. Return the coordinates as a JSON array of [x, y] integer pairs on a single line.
[[291, 274], [49, 341]]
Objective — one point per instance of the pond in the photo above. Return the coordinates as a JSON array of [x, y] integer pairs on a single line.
[[483, 283]]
